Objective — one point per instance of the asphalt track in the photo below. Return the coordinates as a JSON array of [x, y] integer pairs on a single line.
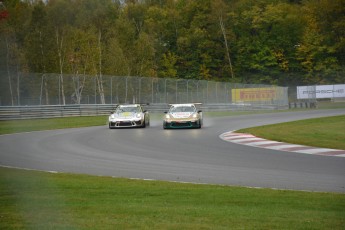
[[187, 155]]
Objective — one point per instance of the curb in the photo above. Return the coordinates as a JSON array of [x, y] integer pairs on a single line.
[[251, 140]]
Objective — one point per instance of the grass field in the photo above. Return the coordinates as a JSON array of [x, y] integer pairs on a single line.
[[16, 126], [40, 200], [328, 132]]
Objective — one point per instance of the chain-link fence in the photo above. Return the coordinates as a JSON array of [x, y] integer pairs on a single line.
[[54, 89]]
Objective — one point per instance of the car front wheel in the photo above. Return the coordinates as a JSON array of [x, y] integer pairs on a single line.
[[144, 124], [199, 126], [165, 125]]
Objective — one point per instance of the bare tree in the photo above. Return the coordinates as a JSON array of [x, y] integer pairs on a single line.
[[222, 27], [219, 7], [99, 76], [8, 69], [61, 52], [44, 80]]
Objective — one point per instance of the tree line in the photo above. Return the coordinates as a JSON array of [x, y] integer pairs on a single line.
[[281, 42]]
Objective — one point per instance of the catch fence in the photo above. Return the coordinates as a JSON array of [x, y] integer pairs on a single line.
[[55, 89]]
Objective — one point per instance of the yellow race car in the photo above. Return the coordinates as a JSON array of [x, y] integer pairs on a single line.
[[182, 116]]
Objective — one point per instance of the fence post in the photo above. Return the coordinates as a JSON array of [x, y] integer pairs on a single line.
[[111, 90], [165, 90], [152, 90]]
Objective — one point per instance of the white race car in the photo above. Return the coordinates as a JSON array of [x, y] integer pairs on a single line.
[[183, 116], [132, 115]]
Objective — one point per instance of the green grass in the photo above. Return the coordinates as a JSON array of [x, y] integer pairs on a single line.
[[331, 105], [328, 132], [16, 126], [38, 200]]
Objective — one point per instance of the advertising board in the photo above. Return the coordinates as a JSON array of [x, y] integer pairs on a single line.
[[320, 91], [257, 94]]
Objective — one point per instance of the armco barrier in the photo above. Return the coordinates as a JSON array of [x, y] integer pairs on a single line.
[[50, 111]]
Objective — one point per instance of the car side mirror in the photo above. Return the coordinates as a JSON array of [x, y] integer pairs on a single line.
[[199, 111], [145, 111], [165, 112], [111, 112]]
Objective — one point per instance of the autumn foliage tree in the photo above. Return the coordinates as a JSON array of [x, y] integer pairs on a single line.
[[267, 41]]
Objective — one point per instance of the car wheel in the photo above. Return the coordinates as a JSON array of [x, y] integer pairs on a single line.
[[110, 126]]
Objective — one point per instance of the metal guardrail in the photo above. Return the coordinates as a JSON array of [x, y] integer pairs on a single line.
[[51, 111]]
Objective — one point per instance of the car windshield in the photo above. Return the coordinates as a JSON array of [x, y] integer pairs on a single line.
[[130, 109], [179, 109]]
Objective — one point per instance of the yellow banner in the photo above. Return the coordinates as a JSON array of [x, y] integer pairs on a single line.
[[256, 94]]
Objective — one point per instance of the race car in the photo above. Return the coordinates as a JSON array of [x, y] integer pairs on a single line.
[[132, 115], [182, 116]]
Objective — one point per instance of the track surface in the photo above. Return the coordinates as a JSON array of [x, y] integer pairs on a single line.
[[188, 155]]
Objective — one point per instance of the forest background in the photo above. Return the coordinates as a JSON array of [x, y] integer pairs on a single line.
[[278, 42]]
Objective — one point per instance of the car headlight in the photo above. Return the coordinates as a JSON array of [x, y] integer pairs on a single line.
[[113, 117], [138, 115], [195, 115], [167, 116]]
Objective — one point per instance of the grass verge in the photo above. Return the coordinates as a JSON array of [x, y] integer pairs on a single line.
[[327, 132], [17, 126], [38, 200]]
